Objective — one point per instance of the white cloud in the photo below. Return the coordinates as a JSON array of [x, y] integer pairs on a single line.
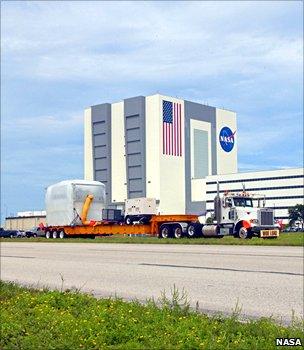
[[265, 135], [51, 123], [118, 41], [26, 130], [42, 146]]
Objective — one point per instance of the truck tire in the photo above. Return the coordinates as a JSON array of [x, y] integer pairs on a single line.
[[47, 234], [128, 220], [164, 231], [244, 233], [61, 234], [177, 232], [54, 234]]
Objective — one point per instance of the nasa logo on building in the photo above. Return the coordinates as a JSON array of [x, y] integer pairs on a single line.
[[226, 139]]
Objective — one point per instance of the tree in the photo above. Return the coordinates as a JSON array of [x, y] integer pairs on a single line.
[[296, 214]]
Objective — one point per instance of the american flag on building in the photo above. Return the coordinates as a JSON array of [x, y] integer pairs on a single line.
[[172, 130]]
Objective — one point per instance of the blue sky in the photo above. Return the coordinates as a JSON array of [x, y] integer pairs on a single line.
[[60, 57]]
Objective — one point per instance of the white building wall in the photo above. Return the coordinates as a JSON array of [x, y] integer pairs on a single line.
[[226, 161], [198, 185], [153, 125], [118, 158], [171, 169], [88, 146]]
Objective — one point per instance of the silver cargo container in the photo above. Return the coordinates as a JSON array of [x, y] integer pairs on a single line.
[[64, 201]]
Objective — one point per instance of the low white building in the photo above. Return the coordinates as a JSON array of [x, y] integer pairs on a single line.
[[283, 189], [25, 220]]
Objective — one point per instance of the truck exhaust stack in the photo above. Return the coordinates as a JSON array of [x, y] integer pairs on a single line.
[[217, 204]]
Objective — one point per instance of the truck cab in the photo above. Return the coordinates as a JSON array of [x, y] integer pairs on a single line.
[[238, 207], [237, 214]]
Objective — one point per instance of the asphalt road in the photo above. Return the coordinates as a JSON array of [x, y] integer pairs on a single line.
[[263, 281]]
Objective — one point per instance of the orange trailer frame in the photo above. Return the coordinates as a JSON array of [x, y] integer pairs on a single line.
[[108, 228]]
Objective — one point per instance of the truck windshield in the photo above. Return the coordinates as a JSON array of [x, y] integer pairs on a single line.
[[242, 202]]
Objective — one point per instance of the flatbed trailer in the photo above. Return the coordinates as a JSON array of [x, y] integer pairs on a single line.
[[163, 226], [167, 226]]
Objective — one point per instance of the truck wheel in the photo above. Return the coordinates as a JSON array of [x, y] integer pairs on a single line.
[[47, 234], [128, 220], [191, 232], [177, 232], [61, 234], [164, 231], [55, 234], [244, 233]]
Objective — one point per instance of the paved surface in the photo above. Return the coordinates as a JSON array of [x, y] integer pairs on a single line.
[[263, 281]]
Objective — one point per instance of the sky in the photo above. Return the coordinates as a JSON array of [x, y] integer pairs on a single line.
[[57, 58]]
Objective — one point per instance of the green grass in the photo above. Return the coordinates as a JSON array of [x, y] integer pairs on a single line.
[[41, 319], [285, 239]]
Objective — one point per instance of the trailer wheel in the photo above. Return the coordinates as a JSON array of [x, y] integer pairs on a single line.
[[177, 232], [54, 234], [47, 234], [244, 233], [164, 231], [128, 220], [191, 232], [61, 234]]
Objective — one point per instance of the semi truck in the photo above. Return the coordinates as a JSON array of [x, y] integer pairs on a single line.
[[75, 208], [234, 214]]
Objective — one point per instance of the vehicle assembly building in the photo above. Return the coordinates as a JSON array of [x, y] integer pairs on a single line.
[[161, 147], [174, 150]]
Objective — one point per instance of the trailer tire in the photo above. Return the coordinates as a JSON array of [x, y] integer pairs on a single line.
[[191, 231], [145, 219], [54, 234], [128, 220], [164, 231], [47, 234], [61, 234], [177, 232]]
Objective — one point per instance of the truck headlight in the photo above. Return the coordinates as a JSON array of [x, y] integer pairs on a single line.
[[254, 221]]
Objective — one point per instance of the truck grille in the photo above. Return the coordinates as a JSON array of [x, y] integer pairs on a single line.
[[266, 218]]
